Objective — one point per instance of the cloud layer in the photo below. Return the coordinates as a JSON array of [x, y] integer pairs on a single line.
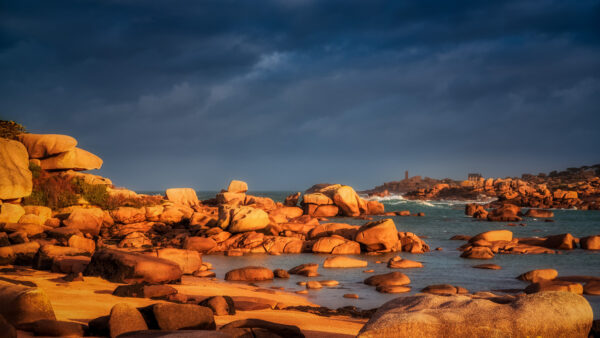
[[285, 94]]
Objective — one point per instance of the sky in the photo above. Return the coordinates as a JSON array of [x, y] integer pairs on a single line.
[[284, 94]]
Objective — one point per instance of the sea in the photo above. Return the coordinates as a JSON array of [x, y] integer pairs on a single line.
[[442, 220]]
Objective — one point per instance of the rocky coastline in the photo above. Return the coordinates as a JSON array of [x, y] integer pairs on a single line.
[[64, 231]]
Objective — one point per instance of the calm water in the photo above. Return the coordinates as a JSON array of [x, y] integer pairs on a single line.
[[442, 221]]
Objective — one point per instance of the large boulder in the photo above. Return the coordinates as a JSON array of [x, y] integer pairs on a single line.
[[348, 201], [547, 314], [590, 242], [237, 186], [493, 235], [87, 220], [184, 196], [125, 318], [128, 267], [249, 273], [75, 159], [537, 275], [11, 213], [24, 305], [379, 235], [171, 316], [561, 242], [317, 199], [44, 145], [15, 177], [128, 215], [505, 213], [245, 218], [200, 244], [388, 279], [188, 260]]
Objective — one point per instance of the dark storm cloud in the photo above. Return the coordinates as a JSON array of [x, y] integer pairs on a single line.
[[284, 94]]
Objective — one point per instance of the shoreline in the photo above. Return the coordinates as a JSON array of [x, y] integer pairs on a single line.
[[83, 301]]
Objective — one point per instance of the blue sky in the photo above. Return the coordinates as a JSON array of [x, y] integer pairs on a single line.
[[285, 94]]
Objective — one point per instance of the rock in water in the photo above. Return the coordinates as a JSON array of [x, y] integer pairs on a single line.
[[75, 159], [44, 145], [378, 236], [344, 262], [249, 273], [127, 267], [15, 177], [546, 314], [24, 305]]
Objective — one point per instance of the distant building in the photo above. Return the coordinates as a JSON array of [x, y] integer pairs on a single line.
[[474, 177], [406, 175]]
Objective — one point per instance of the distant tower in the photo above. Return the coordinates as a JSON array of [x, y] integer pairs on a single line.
[[406, 175]]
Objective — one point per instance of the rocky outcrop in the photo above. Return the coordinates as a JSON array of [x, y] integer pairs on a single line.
[[183, 196], [75, 159], [378, 235], [243, 219], [24, 305], [15, 177], [428, 315], [127, 267], [44, 145], [86, 220]]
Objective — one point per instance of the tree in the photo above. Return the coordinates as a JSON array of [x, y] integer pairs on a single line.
[[10, 129]]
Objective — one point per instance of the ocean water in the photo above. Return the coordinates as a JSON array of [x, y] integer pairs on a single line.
[[442, 220]]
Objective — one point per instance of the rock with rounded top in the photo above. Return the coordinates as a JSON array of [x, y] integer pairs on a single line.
[[135, 240], [590, 242], [453, 316], [236, 186], [539, 213], [74, 159], [329, 229], [247, 219], [543, 285], [125, 318], [15, 176], [315, 210], [444, 289], [128, 267], [478, 252], [488, 267], [375, 208], [188, 260], [24, 305], [183, 196], [327, 244], [200, 244], [220, 305], [348, 201], [538, 274], [388, 279], [82, 243], [44, 145], [249, 273], [280, 273], [560, 242], [86, 220], [347, 248], [344, 262], [401, 263], [308, 270], [379, 235], [493, 235], [313, 284], [393, 288], [43, 212], [409, 242], [170, 316], [317, 199], [11, 213], [128, 215]]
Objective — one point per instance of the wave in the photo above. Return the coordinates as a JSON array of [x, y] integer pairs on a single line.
[[399, 199]]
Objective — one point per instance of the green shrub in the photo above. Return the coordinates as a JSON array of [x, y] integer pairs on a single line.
[[95, 194], [35, 169], [10, 129]]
